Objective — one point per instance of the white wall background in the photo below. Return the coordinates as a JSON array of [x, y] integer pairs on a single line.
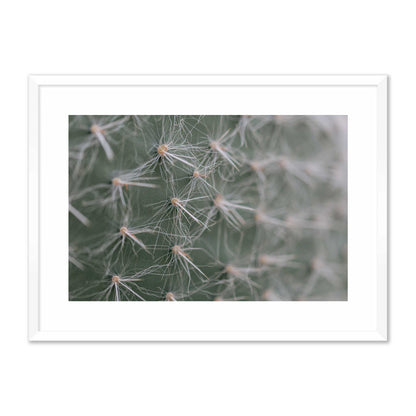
[[207, 37]]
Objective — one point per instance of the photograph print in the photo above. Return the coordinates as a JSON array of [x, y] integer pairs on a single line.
[[208, 208]]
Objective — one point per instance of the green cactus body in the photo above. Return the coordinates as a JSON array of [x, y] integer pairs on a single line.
[[203, 208]]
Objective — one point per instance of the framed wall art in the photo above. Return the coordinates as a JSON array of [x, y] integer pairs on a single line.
[[207, 208]]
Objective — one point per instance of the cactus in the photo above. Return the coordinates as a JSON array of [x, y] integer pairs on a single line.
[[203, 208]]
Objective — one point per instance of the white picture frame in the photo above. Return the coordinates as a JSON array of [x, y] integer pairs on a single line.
[[52, 98]]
